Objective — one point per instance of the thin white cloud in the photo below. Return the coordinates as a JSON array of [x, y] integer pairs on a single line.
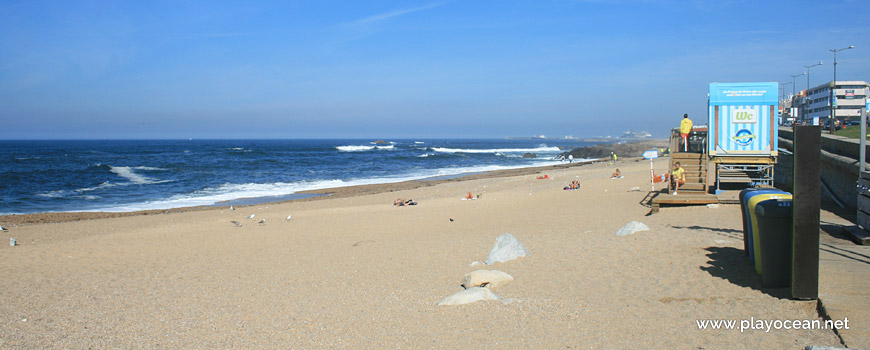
[[388, 15]]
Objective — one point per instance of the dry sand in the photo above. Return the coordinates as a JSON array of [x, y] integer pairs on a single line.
[[355, 272]]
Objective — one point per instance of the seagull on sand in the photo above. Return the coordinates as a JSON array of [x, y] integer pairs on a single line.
[[232, 208], [251, 216], [262, 222], [236, 223]]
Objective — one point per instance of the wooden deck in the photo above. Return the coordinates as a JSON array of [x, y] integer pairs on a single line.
[[695, 198]]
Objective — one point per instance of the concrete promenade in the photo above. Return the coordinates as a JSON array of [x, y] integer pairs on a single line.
[[844, 281]]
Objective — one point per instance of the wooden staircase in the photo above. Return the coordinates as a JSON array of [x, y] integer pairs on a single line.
[[695, 190], [695, 166]]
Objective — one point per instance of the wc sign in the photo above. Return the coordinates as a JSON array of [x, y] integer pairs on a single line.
[[744, 115]]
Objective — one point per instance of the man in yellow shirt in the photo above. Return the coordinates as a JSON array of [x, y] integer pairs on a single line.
[[685, 130], [678, 176]]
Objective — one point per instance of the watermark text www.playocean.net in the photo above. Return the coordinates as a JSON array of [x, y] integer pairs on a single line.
[[768, 325]]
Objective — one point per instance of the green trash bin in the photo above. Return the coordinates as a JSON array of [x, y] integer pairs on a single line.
[[775, 235]]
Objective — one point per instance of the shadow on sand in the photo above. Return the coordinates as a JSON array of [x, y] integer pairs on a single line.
[[726, 232], [730, 264]]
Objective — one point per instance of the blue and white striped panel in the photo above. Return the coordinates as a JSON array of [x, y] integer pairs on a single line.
[[724, 127], [760, 130], [763, 128], [711, 123]]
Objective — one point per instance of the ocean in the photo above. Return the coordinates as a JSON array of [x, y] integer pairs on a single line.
[[131, 175]]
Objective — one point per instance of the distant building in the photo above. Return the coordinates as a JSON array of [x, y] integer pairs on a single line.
[[851, 101]]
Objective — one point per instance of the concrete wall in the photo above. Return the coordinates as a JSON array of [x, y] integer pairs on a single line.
[[839, 167]]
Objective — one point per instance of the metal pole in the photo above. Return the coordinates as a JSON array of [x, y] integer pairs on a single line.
[[833, 93], [791, 103], [793, 85], [807, 100], [863, 141], [783, 98], [862, 155], [834, 85]]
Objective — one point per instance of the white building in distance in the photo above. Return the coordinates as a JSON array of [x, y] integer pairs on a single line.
[[851, 100]]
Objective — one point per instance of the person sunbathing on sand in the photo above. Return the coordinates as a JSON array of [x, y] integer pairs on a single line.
[[616, 174], [573, 186], [401, 202], [469, 196]]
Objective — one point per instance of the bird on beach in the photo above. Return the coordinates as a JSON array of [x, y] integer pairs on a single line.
[[232, 208], [262, 222], [4, 229], [236, 223], [288, 217], [251, 216]]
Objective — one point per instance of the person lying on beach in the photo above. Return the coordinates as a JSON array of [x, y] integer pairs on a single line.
[[573, 186], [401, 202], [469, 196], [616, 174]]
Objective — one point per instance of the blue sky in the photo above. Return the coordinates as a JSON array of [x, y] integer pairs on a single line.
[[390, 69]]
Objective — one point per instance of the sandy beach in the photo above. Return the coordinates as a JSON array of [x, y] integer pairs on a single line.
[[353, 271]]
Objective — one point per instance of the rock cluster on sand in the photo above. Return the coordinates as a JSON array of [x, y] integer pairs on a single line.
[[477, 283]]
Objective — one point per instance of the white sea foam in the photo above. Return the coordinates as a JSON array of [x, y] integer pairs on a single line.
[[419, 142], [100, 186], [362, 148], [424, 155], [128, 173], [541, 149], [52, 194], [354, 148], [228, 191], [125, 172]]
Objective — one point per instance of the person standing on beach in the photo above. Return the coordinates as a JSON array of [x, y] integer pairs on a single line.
[[678, 176], [685, 130]]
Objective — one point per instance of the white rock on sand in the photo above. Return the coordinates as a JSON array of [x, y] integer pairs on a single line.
[[506, 248], [632, 227], [486, 278], [469, 295]]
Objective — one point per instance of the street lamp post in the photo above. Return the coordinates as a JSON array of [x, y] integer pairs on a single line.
[[834, 85], [792, 84], [791, 104], [806, 98], [783, 96]]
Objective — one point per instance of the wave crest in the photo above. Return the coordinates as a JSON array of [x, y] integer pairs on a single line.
[[496, 150]]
